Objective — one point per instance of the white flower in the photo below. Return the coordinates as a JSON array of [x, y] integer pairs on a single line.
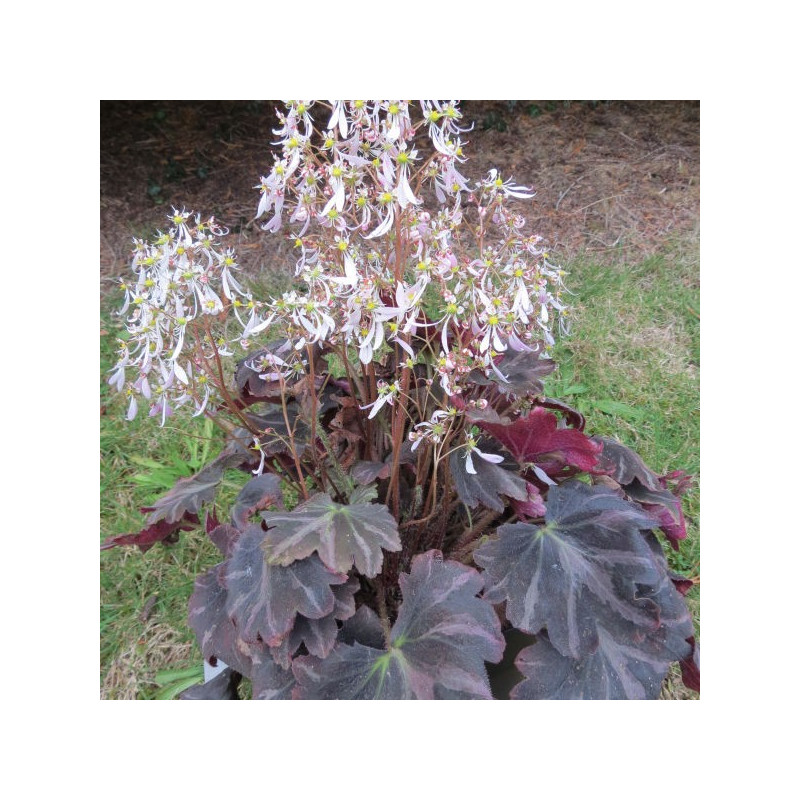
[[473, 447], [386, 394]]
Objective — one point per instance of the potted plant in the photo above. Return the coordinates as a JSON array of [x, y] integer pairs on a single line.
[[422, 522]]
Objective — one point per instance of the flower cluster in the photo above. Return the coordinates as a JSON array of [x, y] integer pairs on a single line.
[[183, 280], [369, 251], [397, 251]]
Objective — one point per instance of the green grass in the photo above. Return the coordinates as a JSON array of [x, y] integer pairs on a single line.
[[631, 366], [139, 462]]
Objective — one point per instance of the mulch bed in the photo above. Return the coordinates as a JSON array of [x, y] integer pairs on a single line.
[[617, 179]]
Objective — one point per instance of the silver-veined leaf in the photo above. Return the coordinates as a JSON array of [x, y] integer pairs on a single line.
[[438, 647], [341, 535]]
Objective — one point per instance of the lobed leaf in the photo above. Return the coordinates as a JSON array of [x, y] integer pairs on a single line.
[[224, 538], [366, 472], [178, 510], [486, 486], [264, 599], [521, 370], [353, 672], [363, 627], [623, 666], [563, 575], [275, 432], [536, 438], [190, 494], [341, 535], [270, 680], [161, 531], [629, 662], [257, 494], [318, 635], [665, 506], [216, 634], [623, 464], [438, 646]]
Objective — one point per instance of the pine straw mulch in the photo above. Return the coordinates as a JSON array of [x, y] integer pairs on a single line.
[[616, 179]]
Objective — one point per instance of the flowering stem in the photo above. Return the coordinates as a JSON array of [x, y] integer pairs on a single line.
[[222, 385], [398, 429], [290, 430], [467, 542]]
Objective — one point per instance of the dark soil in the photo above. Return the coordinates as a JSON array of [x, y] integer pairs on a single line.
[[614, 178]]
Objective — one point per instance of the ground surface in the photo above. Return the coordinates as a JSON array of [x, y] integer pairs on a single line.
[[618, 202]]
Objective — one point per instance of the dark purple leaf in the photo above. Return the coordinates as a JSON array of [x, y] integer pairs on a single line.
[[572, 416], [264, 599], [216, 634], [365, 472], [682, 584], [224, 537], [489, 482], [221, 687], [536, 438], [443, 628], [251, 386], [690, 666], [318, 635], [674, 612], [270, 680], [522, 372], [353, 672], [664, 506], [361, 495], [363, 627], [439, 644], [257, 494], [623, 465], [178, 510], [190, 494], [624, 666], [559, 575], [341, 535], [630, 659], [274, 432], [161, 531], [533, 507]]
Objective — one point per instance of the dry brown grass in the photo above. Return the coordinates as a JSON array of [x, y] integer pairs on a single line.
[[159, 647]]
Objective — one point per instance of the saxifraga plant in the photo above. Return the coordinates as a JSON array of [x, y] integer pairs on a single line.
[[441, 506]]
